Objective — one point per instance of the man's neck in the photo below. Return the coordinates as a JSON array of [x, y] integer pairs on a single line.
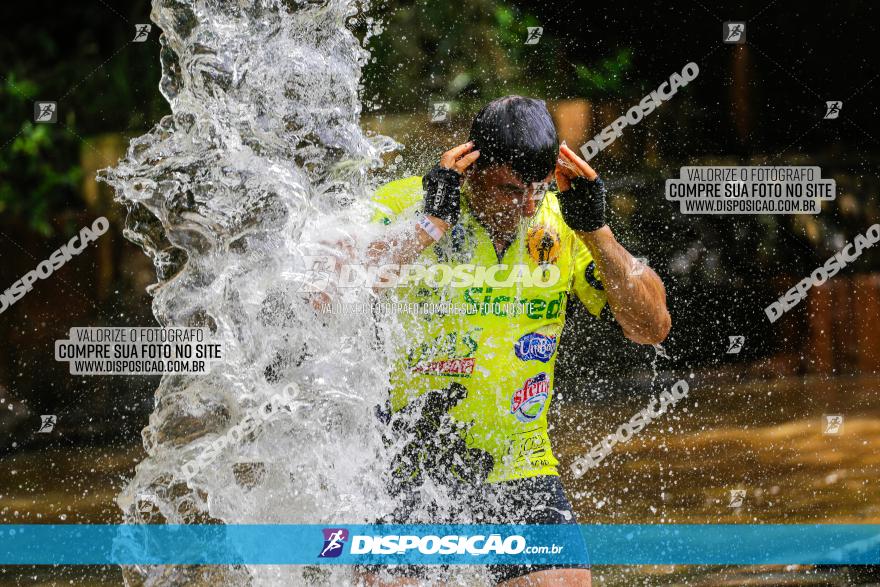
[[501, 243]]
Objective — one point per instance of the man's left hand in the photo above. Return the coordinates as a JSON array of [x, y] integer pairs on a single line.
[[569, 166], [581, 192]]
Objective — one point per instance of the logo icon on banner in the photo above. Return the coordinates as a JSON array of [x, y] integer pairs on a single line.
[[334, 540], [527, 403], [535, 347]]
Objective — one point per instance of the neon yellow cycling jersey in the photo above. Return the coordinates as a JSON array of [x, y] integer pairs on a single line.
[[499, 329]]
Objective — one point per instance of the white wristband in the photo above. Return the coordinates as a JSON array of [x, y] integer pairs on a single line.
[[432, 229]]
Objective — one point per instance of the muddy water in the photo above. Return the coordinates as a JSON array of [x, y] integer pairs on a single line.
[[765, 437]]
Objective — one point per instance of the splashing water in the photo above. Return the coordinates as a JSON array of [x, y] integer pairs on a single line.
[[261, 160], [659, 352]]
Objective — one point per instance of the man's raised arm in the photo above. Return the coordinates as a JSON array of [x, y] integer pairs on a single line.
[[442, 185], [637, 299]]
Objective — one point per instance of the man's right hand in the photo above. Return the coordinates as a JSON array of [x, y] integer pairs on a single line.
[[442, 184], [442, 187]]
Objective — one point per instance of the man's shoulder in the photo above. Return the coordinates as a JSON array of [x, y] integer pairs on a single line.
[[394, 197], [551, 202], [549, 213]]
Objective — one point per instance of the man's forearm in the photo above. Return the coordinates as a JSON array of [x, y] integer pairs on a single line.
[[401, 249], [638, 302], [442, 206], [404, 248]]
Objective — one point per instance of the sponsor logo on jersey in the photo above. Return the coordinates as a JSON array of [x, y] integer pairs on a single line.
[[451, 353], [454, 367], [529, 448], [527, 403], [484, 302], [535, 346], [543, 244]]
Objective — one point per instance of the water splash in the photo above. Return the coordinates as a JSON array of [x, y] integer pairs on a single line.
[[261, 160], [659, 352]]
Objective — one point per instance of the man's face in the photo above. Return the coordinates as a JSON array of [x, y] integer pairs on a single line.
[[500, 199]]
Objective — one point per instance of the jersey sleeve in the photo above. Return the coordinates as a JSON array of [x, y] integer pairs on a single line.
[[587, 282], [397, 198]]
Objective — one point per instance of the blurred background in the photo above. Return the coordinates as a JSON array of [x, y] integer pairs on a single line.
[[754, 421]]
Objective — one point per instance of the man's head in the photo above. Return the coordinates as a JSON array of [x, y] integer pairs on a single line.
[[518, 146]]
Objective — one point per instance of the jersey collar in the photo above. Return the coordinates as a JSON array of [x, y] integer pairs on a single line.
[[471, 225]]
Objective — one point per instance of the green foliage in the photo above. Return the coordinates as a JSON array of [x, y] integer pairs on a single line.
[[82, 57], [38, 164], [475, 51], [607, 77]]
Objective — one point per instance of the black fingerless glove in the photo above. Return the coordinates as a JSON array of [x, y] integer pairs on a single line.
[[583, 205], [443, 193]]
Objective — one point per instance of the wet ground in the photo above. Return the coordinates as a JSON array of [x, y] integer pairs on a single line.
[[767, 438]]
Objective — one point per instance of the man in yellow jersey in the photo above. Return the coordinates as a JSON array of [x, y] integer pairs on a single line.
[[470, 393]]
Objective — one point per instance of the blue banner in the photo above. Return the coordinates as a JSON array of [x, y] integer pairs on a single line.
[[709, 544]]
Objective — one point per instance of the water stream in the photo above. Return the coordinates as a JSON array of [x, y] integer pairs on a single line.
[[260, 165]]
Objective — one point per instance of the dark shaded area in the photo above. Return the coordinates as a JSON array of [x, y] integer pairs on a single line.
[[79, 55]]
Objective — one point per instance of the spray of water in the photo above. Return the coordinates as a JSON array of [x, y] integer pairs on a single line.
[[261, 161]]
